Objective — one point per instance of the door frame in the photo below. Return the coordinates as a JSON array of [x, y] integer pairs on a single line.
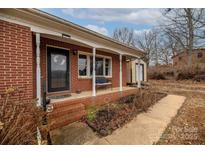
[[67, 53], [136, 66]]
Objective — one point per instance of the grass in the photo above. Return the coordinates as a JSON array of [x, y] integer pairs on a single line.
[[188, 126]]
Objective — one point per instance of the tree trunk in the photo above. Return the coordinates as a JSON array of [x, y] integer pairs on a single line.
[[191, 35]]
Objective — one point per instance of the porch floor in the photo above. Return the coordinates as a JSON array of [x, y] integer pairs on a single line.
[[89, 93]]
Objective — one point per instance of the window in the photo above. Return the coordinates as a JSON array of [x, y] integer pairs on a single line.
[[82, 65], [107, 67], [102, 65], [99, 66], [199, 55]]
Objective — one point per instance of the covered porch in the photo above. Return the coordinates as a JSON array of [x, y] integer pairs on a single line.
[[117, 72]]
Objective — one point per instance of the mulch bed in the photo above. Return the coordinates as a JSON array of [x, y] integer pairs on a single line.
[[116, 114]]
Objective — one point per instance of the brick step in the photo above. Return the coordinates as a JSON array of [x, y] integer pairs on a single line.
[[59, 112], [65, 103], [67, 119]]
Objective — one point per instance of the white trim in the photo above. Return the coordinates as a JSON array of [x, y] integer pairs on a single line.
[[138, 75], [38, 70], [104, 67], [94, 80], [120, 82], [88, 76], [90, 54]]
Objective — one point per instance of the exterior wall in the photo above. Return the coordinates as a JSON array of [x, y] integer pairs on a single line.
[[16, 58], [182, 58], [132, 72], [76, 83]]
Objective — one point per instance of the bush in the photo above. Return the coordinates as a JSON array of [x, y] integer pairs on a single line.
[[191, 73], [185, 76], [91, 114], [199, 78], [19, 119], [157, 76]]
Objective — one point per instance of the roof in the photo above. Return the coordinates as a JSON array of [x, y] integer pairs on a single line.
[[85, 29], [42, 18]]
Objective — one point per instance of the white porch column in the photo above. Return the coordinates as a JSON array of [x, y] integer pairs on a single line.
[[138, 74], [120, 57], [38, 70], [94, 89]]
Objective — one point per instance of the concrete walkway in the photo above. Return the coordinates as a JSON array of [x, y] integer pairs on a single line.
[[146, 128]]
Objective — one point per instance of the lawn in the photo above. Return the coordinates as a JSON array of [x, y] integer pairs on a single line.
[[188, 126]]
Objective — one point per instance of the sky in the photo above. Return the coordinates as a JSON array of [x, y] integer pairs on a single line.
[[105, 21]]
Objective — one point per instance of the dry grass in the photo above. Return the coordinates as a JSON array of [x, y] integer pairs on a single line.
[[188, 126]]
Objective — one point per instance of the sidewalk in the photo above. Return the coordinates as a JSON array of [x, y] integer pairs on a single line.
[[146, 128]]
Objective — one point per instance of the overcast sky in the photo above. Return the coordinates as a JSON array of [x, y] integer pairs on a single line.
[[105, 21]]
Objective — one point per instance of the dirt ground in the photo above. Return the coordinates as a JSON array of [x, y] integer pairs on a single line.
[[188, 126]]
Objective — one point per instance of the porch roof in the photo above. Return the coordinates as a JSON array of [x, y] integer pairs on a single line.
[[44, 23]]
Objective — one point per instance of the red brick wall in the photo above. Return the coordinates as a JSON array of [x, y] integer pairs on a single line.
[[78, 83], [183, 58], [16, 58]]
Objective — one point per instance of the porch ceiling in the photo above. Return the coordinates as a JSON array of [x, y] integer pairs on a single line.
[[82, 44], [66, 40]]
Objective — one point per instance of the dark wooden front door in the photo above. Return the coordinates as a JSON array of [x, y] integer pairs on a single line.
[[58, 69]]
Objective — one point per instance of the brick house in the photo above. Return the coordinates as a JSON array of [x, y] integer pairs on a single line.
[[43, 53], [181, 59]]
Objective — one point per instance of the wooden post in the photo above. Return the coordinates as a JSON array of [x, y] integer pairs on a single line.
[[38, 70]]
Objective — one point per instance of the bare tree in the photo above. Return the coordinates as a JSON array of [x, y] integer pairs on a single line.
[[146, 42], [124, 35], [185, 26], [166, 49]]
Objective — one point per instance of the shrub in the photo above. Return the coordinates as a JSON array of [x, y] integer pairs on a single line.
[[157, 76], [185, 76], [91, 114], [195, 72], [199, 78], [19, 119]]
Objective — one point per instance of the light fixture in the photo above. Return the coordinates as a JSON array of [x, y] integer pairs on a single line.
[[66, 36], [74, 51]]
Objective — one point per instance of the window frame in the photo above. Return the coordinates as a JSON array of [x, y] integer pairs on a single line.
[[88, 55]]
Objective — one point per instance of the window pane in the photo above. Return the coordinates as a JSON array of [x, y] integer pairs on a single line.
[[58, 70], [82, 65], [91, 65], [107, 67], [98, 66]]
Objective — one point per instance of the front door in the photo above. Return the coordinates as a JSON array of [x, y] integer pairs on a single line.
[[58, 69], [141, 72]]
